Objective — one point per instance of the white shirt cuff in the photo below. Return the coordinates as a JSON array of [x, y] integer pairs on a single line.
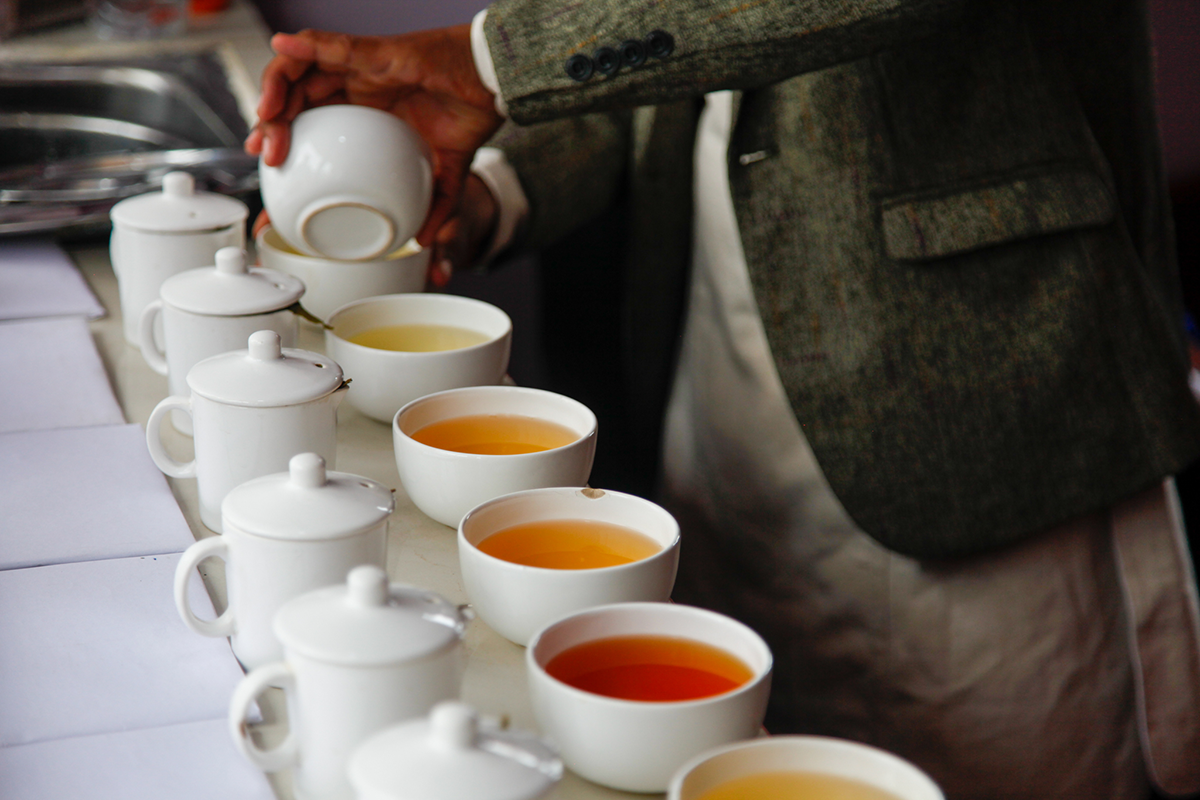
[[501, 179], [483, 61]]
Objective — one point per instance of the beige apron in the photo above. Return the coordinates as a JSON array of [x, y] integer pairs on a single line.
[[1006, 675]]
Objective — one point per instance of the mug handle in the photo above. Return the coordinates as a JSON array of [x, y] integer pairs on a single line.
[[244, 696], [213, 546], [173, 468], [156, 358]]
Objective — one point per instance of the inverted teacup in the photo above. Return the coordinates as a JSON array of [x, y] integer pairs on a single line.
[[356, 184], [629, 692], [460, 448], [531, 557], [800, 766], [330, 283], [399, 347]]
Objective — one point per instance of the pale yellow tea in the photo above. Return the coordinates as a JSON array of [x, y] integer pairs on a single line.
[[419, 338], [795, 786], [495, 434], [569, 544]]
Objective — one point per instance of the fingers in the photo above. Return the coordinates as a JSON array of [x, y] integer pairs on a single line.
[[260, 222], [463, 238]]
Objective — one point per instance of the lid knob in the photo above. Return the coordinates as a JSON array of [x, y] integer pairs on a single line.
[[367, 586], [231, 261], [307, 470], [179, 184], [453, 726], [265, 346]]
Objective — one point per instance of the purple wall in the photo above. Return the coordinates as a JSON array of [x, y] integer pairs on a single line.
[[366, 17]]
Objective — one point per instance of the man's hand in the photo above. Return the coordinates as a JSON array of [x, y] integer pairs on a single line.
[[427, 79]]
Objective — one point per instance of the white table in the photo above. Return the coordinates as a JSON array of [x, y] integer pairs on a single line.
[[420, 551]]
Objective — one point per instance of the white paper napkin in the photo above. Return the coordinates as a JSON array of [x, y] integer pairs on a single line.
[[192, 761], [97, 646], [38, 279], [53, 377], [82, 494]]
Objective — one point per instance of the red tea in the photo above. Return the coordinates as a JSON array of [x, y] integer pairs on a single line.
[[654, 669], [569, 544], [495, 434]]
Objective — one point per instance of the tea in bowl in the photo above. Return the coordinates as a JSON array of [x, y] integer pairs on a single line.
[[531, 557], [330, 284], [800, 766], [399, 347], [460, 448], [629, 692]]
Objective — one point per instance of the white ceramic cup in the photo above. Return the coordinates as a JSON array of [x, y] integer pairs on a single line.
[[632, 745], [516, 600], [358, 658], [270, 561], [330, 284], [356, 184], [386, 380], [158, 235], [446, 484], [815, 754], [238, 441]]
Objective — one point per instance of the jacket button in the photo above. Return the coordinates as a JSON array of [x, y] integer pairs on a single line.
[[660, 43], [633, 53], [607, 60], [579, 67]]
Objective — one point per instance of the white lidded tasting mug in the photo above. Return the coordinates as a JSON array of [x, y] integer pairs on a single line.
[[251, 410], [206, 312], [160, 234], [358, 658], [286, 534]]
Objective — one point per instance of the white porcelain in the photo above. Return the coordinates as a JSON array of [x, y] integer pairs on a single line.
[[358, 658], [446, 485], [331, 283], [450, 756], [251, 411], [160, 234], [819, 754], [632, 745], [517, 600], [284, 535], [212, 310], [356, 184], [385, 380]]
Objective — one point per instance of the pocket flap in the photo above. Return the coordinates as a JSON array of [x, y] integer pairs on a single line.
[[922, 227]]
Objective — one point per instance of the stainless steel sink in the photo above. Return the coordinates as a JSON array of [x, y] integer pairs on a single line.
[[77, 138]]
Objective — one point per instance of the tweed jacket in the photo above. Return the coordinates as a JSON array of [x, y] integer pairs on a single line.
[[954, 218]]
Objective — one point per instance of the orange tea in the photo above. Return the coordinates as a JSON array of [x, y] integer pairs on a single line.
[[569, 544], [795, 786], [495, 434], [649, 668], [418, 338]]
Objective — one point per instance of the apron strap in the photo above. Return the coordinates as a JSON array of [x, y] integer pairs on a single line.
[[1163, 619]]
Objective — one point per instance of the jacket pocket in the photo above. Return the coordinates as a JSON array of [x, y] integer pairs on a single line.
[[923, 226]]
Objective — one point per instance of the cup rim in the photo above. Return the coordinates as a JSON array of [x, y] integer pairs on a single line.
[[407, 250], [453, 299], [534, 667], [675, 785], [422, 447], [663, 552]]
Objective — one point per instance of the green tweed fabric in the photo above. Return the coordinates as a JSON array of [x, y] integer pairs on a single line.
[[954, 219]]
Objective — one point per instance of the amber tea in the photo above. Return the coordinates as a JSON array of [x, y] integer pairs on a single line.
[[788, 785], [569, 544], [495, 434], [650, 668]]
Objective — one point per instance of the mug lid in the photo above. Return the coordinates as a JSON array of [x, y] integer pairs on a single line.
[[231, 288], [449, 756], [368, 622], [265, 374], [307, 503], [179, 208]]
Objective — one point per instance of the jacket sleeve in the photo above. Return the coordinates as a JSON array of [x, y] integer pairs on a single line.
[[713, 44], [570, 170]]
